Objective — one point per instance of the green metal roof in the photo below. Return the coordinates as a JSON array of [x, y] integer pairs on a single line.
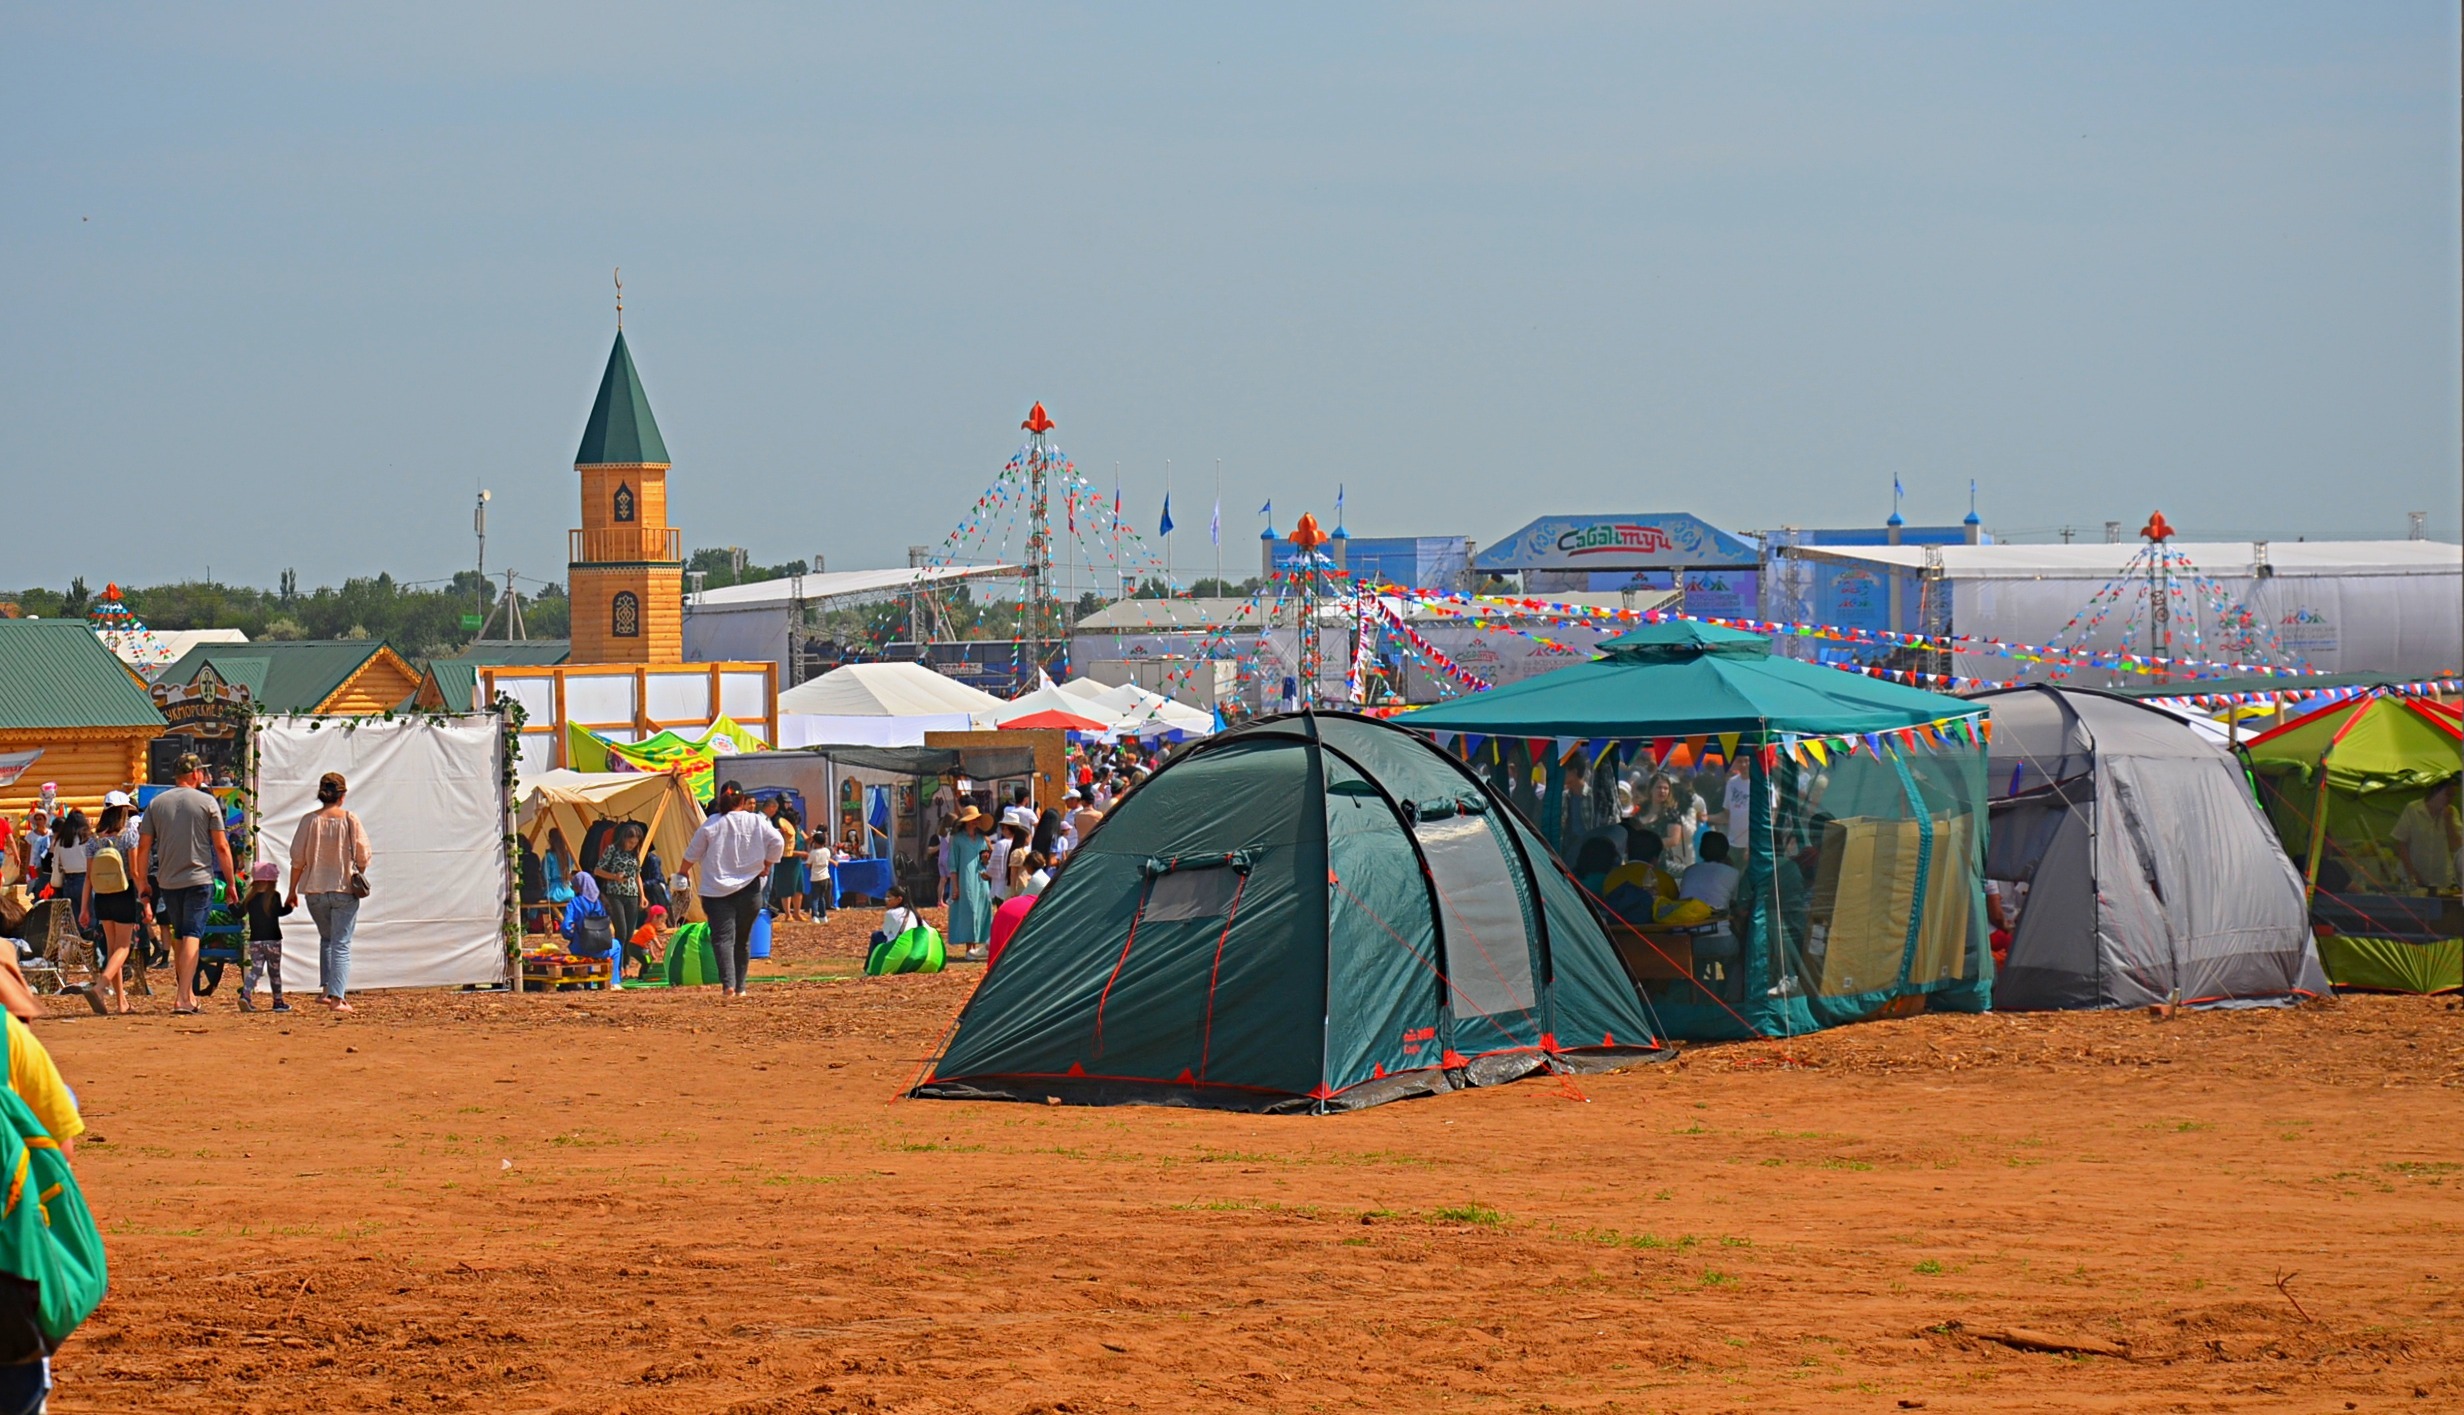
[[282, 675], [621, 428], [55, 673], [457, 678]]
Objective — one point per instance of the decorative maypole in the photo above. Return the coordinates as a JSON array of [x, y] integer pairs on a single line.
[[126, 635], [1038, 614], [2159, 602], [1309, 570]]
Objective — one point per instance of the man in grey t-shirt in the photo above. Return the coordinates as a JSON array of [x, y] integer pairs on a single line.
[[181, 848]]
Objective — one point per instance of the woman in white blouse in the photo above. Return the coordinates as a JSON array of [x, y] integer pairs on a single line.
[[329, 860]]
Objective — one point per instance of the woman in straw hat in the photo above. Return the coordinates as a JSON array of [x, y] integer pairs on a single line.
[[971, 901]]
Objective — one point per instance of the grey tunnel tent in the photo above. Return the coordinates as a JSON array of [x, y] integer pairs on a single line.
[[2147, 871], [1313, 912]]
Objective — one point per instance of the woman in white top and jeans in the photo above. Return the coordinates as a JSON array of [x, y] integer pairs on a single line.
[[328, 852]]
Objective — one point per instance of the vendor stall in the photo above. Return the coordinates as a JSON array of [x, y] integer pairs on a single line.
[[917, 788], [569, 803], [1860, 892]]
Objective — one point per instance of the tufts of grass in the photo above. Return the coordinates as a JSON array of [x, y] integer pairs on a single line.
[[1931, 1267], [1480, 1214], [1713, 1277]]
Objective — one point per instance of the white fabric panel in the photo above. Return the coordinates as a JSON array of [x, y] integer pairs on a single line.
[[432, 798], [536, 695], [538, 753], [820, 730], [599, 697], [744, 696], [679, 697]]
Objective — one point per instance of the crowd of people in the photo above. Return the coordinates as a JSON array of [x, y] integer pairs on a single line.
[[134, 886]]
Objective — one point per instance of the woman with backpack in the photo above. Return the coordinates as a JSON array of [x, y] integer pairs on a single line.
[[111, 901]]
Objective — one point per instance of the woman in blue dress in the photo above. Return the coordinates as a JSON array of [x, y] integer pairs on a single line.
[[971, 897]]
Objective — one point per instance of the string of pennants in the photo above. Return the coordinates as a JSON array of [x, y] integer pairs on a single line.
[[2159, 572], [2418, 688], [1461, 604], [1966, 732], [1428, 653]]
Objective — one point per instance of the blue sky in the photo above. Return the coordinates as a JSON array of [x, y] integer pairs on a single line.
[[283, 285]]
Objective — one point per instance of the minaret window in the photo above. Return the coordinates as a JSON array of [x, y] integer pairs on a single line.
[[624, 503], [625, 620]]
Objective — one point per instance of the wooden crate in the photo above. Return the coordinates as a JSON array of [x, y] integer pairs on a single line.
[[559, 974]]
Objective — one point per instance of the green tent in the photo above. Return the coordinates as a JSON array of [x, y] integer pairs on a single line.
[[1862, 887], [1313, 912], [2355, 791]]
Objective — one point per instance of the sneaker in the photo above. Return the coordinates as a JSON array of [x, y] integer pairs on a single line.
[[281, 1006], [245, 1004]]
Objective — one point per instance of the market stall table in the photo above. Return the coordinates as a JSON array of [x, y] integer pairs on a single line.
[[870, 878]]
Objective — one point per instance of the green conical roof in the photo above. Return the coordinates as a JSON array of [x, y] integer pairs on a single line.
[[621, 428]]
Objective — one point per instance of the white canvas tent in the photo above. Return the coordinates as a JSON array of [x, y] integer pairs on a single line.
[[888, 690], [881, 705], [432, 793]]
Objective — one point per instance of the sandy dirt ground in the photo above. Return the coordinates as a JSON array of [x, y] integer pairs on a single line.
[[659, 1202]]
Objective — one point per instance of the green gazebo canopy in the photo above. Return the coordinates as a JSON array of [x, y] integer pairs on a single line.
[[1687, 679]]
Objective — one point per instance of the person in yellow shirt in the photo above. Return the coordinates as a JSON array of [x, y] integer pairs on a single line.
[[37, 1082], [1642, 869]]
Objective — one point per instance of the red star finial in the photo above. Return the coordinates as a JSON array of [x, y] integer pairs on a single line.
[[2156, 530], [1306, 535], [1037, 420]]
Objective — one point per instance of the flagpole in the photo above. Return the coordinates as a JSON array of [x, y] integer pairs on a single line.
[[1167, 535], [1218, 525]]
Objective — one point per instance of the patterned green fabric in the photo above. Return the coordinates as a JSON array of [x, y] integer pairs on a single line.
[[2393, 965], [690, 963], [47, 1235]]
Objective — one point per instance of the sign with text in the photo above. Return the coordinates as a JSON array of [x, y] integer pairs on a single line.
[[1655, 541]]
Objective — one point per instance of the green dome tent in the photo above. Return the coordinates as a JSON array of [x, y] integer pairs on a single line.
[[1313, 912], [2355, 790], [1861, 893]]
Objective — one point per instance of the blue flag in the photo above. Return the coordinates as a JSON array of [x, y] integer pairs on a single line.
[[1214, 524], [1164, 526]]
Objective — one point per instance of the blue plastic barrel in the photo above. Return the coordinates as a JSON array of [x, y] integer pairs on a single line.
[[759, 945]]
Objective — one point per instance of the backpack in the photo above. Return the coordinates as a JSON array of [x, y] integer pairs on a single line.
[[594, 936], [107, 872], [52, 1273]]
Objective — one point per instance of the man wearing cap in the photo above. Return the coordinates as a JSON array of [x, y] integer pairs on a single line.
[[182, 850]]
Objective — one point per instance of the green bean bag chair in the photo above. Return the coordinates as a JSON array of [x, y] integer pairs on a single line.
[[690, 963], [918, 950]]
